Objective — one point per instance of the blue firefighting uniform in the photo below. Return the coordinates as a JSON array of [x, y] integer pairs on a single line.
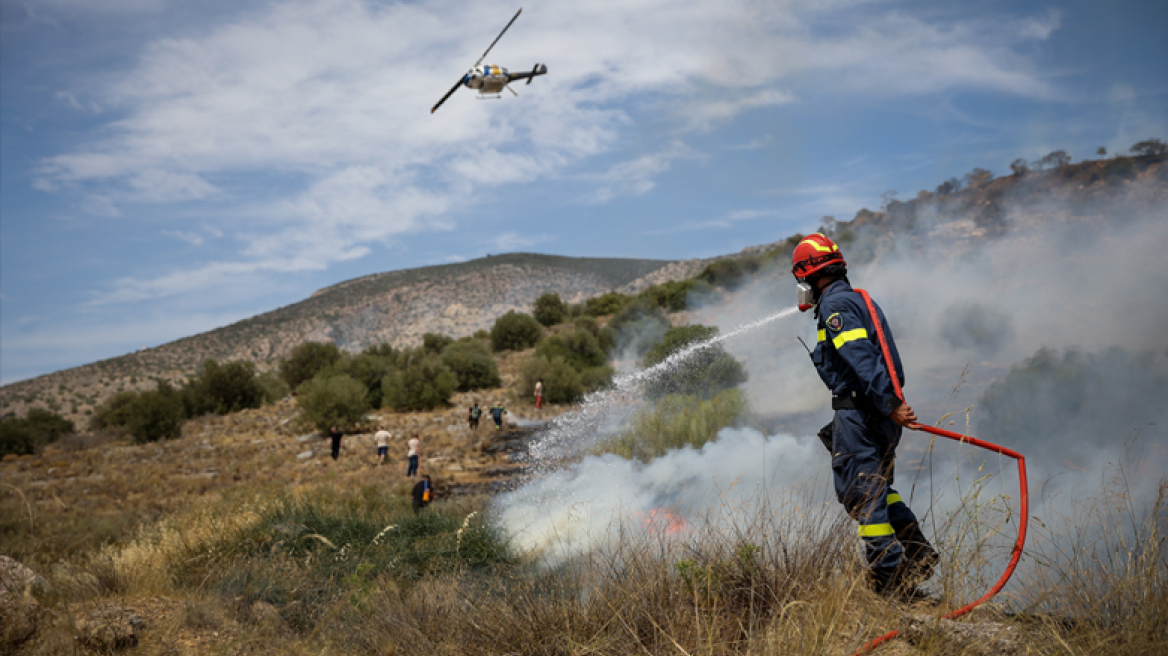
[[848, 358]]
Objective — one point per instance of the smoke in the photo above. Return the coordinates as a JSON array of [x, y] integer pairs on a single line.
[[601, 500], [1043, 315]]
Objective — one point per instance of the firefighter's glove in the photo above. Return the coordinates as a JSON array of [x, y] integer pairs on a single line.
[[826, 434]]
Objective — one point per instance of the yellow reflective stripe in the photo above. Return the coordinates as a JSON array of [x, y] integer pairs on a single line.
[[849, 336], [894, 498], [875, 530], [821, 336]]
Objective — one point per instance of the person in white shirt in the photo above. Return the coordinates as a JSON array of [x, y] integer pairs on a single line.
[[415, 450], [382, 437]]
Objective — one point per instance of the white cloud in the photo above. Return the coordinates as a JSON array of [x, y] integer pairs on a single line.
[[334, 95]]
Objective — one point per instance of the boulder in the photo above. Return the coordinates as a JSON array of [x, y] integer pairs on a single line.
[[20, 612]]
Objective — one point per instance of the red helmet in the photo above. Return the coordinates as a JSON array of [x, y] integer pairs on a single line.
[[814, 253]]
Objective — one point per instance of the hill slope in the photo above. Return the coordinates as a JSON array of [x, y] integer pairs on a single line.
[[397, 307]]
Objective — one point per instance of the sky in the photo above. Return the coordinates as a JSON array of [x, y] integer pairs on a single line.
[[170, 167]]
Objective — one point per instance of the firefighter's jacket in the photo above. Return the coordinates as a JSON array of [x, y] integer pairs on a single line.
[[847, 351]]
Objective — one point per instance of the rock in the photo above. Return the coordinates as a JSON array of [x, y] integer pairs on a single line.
[[18, 579], [304, 455], [109, 628], [984, 638], [307, 437], [454, 467], [20, 612]]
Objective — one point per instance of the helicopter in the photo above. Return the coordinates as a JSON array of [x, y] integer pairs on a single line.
[[489, 78]]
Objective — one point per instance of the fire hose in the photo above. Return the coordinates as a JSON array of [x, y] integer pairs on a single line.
[[1024, 499]]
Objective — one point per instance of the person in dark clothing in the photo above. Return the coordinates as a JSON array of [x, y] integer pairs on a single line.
[[335, 435], [423, 493], [473, 415], [869, 416], [497, 412]]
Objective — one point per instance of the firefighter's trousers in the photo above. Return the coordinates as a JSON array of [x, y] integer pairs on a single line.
[[863, 454]]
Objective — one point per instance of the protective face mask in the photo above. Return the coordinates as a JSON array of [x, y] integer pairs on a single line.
[[805, 295]]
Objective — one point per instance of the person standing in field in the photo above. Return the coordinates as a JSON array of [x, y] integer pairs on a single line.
[[473, 415], [869, 416], [539, 394], [414, 449], [335, 435], [422, 493], [497, 412], [382, 438]]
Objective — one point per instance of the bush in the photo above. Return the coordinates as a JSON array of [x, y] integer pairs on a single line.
[[423, 384], [274, 388], [675, 295], [1120, 168], [39, 427], [307, 360], [156, 415], [369, 369], [113, 412], [550, 309], [515, 331], [561, 382], [332, 401], [472, 362], [222, 389], [579, 348], [705, 373], [594, 378], [676, 421], [435, 342], [606, 304], [637, 327]]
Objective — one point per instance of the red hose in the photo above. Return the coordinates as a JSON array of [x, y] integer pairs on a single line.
[[1022, 486]]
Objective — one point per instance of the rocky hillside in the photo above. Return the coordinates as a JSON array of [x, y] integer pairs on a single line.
[[397, 307]]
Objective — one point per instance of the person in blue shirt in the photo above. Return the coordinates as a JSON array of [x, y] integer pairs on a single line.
[[869, 416]]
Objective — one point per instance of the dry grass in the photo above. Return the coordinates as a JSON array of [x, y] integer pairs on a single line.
[[272, 556]]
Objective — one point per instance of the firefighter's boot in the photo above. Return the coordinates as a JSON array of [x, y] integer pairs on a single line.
[[920, 558]]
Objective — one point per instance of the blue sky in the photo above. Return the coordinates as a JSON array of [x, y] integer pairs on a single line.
[[170, 167]]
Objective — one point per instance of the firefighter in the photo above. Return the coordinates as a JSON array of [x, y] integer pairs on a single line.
[[869, 417]]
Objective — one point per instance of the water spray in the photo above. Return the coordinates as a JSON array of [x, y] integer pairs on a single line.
[[1024, 497]]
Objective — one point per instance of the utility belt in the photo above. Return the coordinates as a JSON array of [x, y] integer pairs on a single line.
[[852, 400]]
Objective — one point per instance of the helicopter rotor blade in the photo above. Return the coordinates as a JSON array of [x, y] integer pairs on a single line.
[[448, 94], [498, 37]]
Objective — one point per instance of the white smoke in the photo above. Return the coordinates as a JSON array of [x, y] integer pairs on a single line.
[[595, 503], [964, 310]]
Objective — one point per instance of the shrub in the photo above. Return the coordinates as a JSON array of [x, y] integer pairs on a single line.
[[369, 370], [594, 378], [423, 384], [638, 326], [515, 331], [706, 372], [676, 421], [606, 304], [113, 412], [222, 389], [589, 323], [274, 388], [332, 401], [25, 435], [472, 362], [156, 415], [675, 295], [561, 382], [579, 348], [435, 342], [307, 360], [550, 309]]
